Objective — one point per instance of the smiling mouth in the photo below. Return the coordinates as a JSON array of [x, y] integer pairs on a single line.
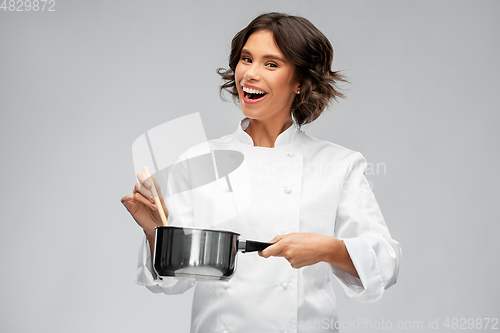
[[253, 94]]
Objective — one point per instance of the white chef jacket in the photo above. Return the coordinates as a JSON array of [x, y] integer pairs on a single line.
[[301, 185]]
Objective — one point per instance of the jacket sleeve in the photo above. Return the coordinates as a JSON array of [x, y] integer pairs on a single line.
[[146, 276], [178, 200], [360, 224]]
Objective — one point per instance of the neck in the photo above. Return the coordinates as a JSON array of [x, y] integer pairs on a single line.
[[265, 132]]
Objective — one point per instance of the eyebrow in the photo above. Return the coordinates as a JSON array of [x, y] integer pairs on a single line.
[[267, 56]]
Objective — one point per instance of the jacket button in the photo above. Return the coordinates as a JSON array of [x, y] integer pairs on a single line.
[[284, 285], [291, 154], [287, 190], [225, 331], [226, 285]]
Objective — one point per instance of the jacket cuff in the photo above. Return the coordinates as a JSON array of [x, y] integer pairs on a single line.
[[369, 286], [147, 277]]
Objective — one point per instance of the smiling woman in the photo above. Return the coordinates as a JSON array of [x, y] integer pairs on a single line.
[[265, 80], [296, 44], [325, 221]]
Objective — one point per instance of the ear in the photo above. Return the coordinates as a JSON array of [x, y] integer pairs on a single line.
[[296, 88]]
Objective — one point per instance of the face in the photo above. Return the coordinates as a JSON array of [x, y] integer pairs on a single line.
[[264, 78]]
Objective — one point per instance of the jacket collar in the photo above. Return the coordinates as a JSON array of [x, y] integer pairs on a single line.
[[284, 138]]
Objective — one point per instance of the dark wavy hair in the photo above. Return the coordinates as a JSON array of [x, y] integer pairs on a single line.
[[305, 46]]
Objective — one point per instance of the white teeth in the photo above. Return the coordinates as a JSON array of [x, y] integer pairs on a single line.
[[252, 91]]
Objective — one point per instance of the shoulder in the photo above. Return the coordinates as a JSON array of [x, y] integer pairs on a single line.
[[325, 154], [315, 148]]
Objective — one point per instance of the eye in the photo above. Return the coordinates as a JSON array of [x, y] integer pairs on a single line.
[[271, 64], [246, 59]]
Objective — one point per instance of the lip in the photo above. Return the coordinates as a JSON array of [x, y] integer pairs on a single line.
[[252, 87], [252, 101]]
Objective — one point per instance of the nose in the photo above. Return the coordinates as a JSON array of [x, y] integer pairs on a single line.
[[252, 73]]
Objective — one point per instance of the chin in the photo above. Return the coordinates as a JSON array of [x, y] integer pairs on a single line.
[[249, 113]]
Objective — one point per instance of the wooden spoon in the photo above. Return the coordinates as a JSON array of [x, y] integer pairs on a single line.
[[156, 197]]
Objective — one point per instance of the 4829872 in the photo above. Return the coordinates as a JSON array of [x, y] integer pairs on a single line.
[[28, 5]]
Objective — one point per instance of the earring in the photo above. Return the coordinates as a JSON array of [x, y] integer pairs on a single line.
[[298, 92]]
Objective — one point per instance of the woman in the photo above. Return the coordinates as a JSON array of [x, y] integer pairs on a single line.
[[310, 195]]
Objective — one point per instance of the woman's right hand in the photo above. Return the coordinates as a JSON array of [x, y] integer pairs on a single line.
[[142, 207]]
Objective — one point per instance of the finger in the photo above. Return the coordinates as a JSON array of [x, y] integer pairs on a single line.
[[127, 198], [140, 198], [141, 177], [145, 182], [142, 190], [297, 263], [277, 238], [261, 254], [128, 202], [273, 250], [137, 189]]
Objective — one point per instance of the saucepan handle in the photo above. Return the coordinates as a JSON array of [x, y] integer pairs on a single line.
[[252, 246]]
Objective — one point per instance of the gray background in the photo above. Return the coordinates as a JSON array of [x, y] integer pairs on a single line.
[[79, 85]]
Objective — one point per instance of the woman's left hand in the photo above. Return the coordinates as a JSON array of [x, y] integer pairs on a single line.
[[301, 249]]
